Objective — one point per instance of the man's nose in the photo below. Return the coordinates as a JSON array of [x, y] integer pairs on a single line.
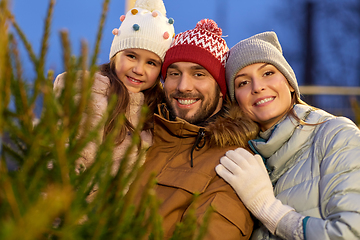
[[185, 83]]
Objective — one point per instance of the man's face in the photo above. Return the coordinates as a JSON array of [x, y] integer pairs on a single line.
[[191, 92]]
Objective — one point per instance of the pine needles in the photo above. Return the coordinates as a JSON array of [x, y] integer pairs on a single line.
[[42, 197]]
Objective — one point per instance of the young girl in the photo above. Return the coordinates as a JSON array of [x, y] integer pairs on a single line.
[[311, 157], [133, 74]]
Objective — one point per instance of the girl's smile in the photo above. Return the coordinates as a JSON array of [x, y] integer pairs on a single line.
[[138, 69]]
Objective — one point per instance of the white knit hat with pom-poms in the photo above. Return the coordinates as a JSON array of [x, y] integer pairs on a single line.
[[145, 27]]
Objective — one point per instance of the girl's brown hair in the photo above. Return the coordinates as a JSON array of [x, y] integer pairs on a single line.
[[152, 97]]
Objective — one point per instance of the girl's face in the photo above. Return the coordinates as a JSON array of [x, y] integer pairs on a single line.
[[263, 93], [137, 68]]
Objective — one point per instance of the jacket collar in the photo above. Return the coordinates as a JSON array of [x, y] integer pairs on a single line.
[[285, 140], [174, 125], [228, 127], [280, 133]]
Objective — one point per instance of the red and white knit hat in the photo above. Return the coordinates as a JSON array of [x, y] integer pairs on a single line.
[[202, 45]]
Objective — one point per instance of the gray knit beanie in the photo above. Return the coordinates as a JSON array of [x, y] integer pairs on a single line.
[[260, 48]]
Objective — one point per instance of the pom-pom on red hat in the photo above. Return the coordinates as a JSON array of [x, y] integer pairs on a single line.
[[202, 45]]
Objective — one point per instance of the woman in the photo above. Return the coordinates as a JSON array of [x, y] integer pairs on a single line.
[[312, 158]]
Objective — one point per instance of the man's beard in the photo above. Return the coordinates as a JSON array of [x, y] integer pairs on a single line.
[[206, 109]]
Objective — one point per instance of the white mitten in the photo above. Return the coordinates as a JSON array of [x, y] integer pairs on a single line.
[[248, 176]]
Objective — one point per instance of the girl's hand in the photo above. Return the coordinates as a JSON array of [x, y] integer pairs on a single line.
[[248, 176]]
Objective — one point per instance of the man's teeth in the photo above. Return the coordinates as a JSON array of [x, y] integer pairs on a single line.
[[187, 101], [264, 101]]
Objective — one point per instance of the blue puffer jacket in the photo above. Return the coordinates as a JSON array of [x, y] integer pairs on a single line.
[[316, 170]]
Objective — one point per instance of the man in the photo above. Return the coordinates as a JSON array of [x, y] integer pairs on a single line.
[[191, 133]]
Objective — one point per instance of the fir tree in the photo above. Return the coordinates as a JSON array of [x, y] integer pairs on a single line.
[[44, 198]]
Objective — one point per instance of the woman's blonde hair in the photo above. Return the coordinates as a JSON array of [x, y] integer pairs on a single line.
[[296, 100]]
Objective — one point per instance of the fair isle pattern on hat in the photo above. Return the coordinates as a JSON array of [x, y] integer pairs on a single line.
[[145, 27], [202, 45], [204, 38]]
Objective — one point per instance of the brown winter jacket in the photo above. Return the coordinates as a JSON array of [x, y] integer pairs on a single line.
[[177, 181]]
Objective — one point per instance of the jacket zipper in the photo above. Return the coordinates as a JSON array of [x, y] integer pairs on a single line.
[[199, 137]]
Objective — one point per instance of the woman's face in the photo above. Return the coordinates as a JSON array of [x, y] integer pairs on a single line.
[[263, 93]]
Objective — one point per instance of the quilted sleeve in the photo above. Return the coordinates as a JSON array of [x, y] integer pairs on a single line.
[[338, 147]]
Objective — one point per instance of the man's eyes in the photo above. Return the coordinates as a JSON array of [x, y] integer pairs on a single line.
[[173, 73]]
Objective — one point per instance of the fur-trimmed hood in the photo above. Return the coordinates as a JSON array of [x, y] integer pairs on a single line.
[[230, 127]]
